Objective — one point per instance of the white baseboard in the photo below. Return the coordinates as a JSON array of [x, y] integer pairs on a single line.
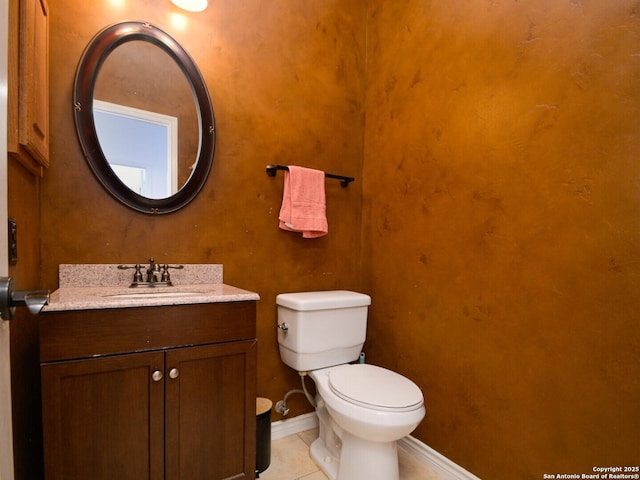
[[291, 426], [447, 469]]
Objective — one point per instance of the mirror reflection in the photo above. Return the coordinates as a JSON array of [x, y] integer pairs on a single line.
[[146, 119], [141, 147]]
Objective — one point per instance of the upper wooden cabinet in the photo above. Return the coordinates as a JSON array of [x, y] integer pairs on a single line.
[[28, 114]]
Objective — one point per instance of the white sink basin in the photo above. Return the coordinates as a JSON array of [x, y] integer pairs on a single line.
[[153, 294]]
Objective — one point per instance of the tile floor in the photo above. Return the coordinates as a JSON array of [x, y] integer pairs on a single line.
[[290, 460]]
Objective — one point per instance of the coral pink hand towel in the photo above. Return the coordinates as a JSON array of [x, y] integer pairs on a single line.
[[304, 207]]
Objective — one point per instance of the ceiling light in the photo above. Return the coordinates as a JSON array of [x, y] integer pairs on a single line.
[[191, 5]]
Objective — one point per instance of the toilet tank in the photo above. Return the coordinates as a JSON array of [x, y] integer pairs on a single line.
[[321, 329]]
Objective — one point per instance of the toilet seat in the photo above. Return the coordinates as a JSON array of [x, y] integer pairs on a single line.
[[375, 387]]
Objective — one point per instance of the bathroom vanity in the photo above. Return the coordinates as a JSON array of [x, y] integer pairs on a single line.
[[155, 383]]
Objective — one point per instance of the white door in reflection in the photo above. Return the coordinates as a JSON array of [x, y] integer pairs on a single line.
[[141, 147]]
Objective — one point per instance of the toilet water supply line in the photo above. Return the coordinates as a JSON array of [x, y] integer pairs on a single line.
[[281, 405]]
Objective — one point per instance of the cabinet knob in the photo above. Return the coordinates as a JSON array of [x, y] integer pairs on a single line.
[[156, 376], [174, 372]]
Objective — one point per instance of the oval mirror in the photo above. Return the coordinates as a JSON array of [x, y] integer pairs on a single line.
[[144, 117]]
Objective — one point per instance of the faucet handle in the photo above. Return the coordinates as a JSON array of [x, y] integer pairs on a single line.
[[137, 276], [165, 271], [177, 267], [165, 274]]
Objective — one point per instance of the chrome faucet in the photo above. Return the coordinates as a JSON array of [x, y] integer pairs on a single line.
[[157, 275]]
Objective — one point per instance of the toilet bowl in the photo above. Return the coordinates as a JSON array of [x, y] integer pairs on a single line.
[[369, 408], [362, 409]]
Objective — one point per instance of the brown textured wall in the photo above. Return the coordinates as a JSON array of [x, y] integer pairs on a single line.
[[502, 226], [287, 83]]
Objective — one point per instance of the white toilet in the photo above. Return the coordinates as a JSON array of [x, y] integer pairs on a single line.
[[363, 409]]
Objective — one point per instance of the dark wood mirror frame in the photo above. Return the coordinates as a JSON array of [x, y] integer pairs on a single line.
[[88, 69]]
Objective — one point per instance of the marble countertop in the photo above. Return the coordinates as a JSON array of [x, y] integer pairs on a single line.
[[83, 287], [92, 298]]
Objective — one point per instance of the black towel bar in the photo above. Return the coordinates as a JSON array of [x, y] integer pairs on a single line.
[[344, 181]]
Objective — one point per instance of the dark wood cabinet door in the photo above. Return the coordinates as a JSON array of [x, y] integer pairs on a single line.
[[104, 418], [210, 412], [34, 80]]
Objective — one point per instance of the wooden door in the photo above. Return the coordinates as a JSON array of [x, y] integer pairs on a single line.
[[210, 412], [104, 418], [6, 434]]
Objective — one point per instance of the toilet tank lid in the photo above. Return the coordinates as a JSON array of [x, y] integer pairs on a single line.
[[323, 300]]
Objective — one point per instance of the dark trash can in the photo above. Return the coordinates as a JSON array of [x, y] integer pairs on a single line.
[[263, 434]]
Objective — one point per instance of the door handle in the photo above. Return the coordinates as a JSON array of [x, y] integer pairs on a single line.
[[10, 299]]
